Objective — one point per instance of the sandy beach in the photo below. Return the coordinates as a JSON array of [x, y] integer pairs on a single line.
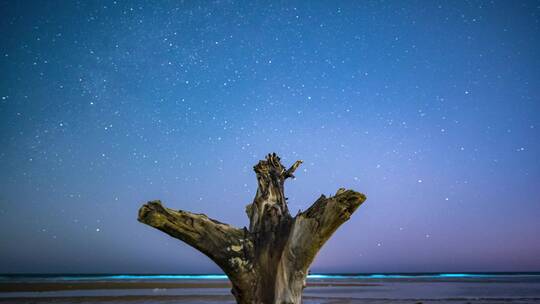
[[422, 289], [60, 286]]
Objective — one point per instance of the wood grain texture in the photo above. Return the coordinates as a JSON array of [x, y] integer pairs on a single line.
[[267, 263]]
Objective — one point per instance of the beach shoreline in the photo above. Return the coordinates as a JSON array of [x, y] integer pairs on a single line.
[[62, 286], [516, 288]]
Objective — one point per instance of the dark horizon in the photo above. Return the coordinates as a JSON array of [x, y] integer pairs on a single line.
[[336, 273], [312, 273]]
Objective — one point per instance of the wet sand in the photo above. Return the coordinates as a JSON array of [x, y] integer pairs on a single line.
[[230, 300], [448, 291], [60, 286]]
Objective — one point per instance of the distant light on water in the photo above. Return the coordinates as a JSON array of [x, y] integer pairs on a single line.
[[150, 277], [157, 277], [463, 275], [398, 276]]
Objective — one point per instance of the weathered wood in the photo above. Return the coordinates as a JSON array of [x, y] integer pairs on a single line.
[[267, 263], [229, 247]]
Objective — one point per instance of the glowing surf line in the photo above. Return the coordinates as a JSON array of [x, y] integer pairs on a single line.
[[311, 276], [134, 277]]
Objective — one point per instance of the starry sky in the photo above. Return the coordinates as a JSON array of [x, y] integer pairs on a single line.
[[432, 109]]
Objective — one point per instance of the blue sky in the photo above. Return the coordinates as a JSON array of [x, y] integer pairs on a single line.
[[431, 109]]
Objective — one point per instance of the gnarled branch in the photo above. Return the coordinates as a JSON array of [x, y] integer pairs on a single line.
[[290, 171], [269, 207], [313, 227], [229, 247]]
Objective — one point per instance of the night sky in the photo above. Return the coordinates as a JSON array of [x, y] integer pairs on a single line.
[[432, 109]]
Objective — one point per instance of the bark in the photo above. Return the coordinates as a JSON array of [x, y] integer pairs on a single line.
[[267, 263]]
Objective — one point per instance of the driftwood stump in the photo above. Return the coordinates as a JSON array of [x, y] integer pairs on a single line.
[[267, 263]]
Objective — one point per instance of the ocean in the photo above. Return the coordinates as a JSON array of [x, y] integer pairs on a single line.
[[516, 287]]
